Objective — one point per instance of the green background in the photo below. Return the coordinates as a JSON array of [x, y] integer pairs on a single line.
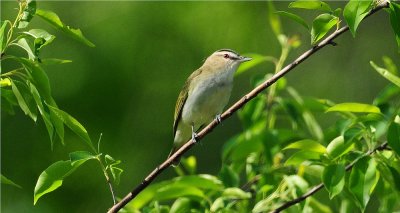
[[126, 87]]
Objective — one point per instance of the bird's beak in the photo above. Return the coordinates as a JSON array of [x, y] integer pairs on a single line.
[[244, 58]]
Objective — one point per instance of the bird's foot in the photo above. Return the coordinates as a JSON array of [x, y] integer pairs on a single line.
[[218, 118], [194, 137]]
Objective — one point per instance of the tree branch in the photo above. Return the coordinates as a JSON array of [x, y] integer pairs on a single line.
[[228, 113], [320, 186]]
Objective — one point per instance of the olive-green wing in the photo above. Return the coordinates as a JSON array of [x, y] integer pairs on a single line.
[[182, 99]]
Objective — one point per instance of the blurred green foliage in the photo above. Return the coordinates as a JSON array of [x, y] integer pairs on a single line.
[[126, 89]]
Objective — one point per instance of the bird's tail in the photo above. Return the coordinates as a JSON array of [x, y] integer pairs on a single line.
[[176, 161]]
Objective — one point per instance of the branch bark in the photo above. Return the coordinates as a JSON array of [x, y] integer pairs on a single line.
[[320, 186], [229, 112]]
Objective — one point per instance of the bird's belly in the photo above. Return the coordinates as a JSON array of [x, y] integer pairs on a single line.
[[205, 103]]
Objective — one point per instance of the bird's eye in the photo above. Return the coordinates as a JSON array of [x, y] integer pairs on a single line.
[[226, 56]]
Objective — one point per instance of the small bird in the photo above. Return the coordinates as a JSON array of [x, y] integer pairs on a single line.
[[204, 95]]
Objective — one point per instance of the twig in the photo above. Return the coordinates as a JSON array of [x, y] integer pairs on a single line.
[[239, 104], [320, 186]]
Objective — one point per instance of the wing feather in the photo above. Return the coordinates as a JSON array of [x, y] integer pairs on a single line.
[[183, 95]]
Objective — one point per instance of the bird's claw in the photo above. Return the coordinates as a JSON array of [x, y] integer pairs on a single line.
[[194, 137], [218, 118]]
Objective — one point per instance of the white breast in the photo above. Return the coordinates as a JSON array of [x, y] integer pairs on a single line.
[[207, 99]]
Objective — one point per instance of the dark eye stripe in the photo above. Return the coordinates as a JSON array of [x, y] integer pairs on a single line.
[[227, 50]]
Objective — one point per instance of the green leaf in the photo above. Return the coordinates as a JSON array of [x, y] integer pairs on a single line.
[[386, 74], [55, 21], [52, 61], [6, 82], [333, 179], [24, 99], [147, 194], [393, 137], [236, 193], [181, 205], [79, 157], [354, 107], [387, 94], [390, 65], [190, 164], [274, 20], [52, 177], [22, 42], [45, 115], [229, 177], [301, 156], [73, 124], [200, 181], [362, 181], [3, 37], [217, 205], [27, 14], [353, 134], [354, 12], [40, 78], [176, 191], [311, 5], [321, 26], [294, 17], [396, 177], [338, 147], [41, 39], [7, 181], [116, 173], [394, 14], [307, 145], [256, 60]]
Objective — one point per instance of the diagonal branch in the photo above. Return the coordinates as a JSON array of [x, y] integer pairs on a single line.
[[320, 186], [229, 112]]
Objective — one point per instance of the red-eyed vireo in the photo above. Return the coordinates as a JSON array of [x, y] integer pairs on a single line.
[[204, 95]]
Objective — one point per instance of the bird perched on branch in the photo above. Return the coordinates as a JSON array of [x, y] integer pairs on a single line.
[[204, 95]]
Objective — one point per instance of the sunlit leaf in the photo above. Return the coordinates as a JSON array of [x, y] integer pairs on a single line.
[[79, 157], [7, 181], [3, 37], [354, 12], [52, 178], [73, 124], [236, 193], [55, 21], [338, 147], [354, 107], [362, 181], [200, 181], [256, 60], [386, 74], [27, 14], [5, 82], [321, 26], [294, 17], [51, 61], [333, 179], [41, 39], [301, 156], [190, 164], [307, 145], [181, 205], [394, 14], [393, 137], [176, 191], [311, 5]]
